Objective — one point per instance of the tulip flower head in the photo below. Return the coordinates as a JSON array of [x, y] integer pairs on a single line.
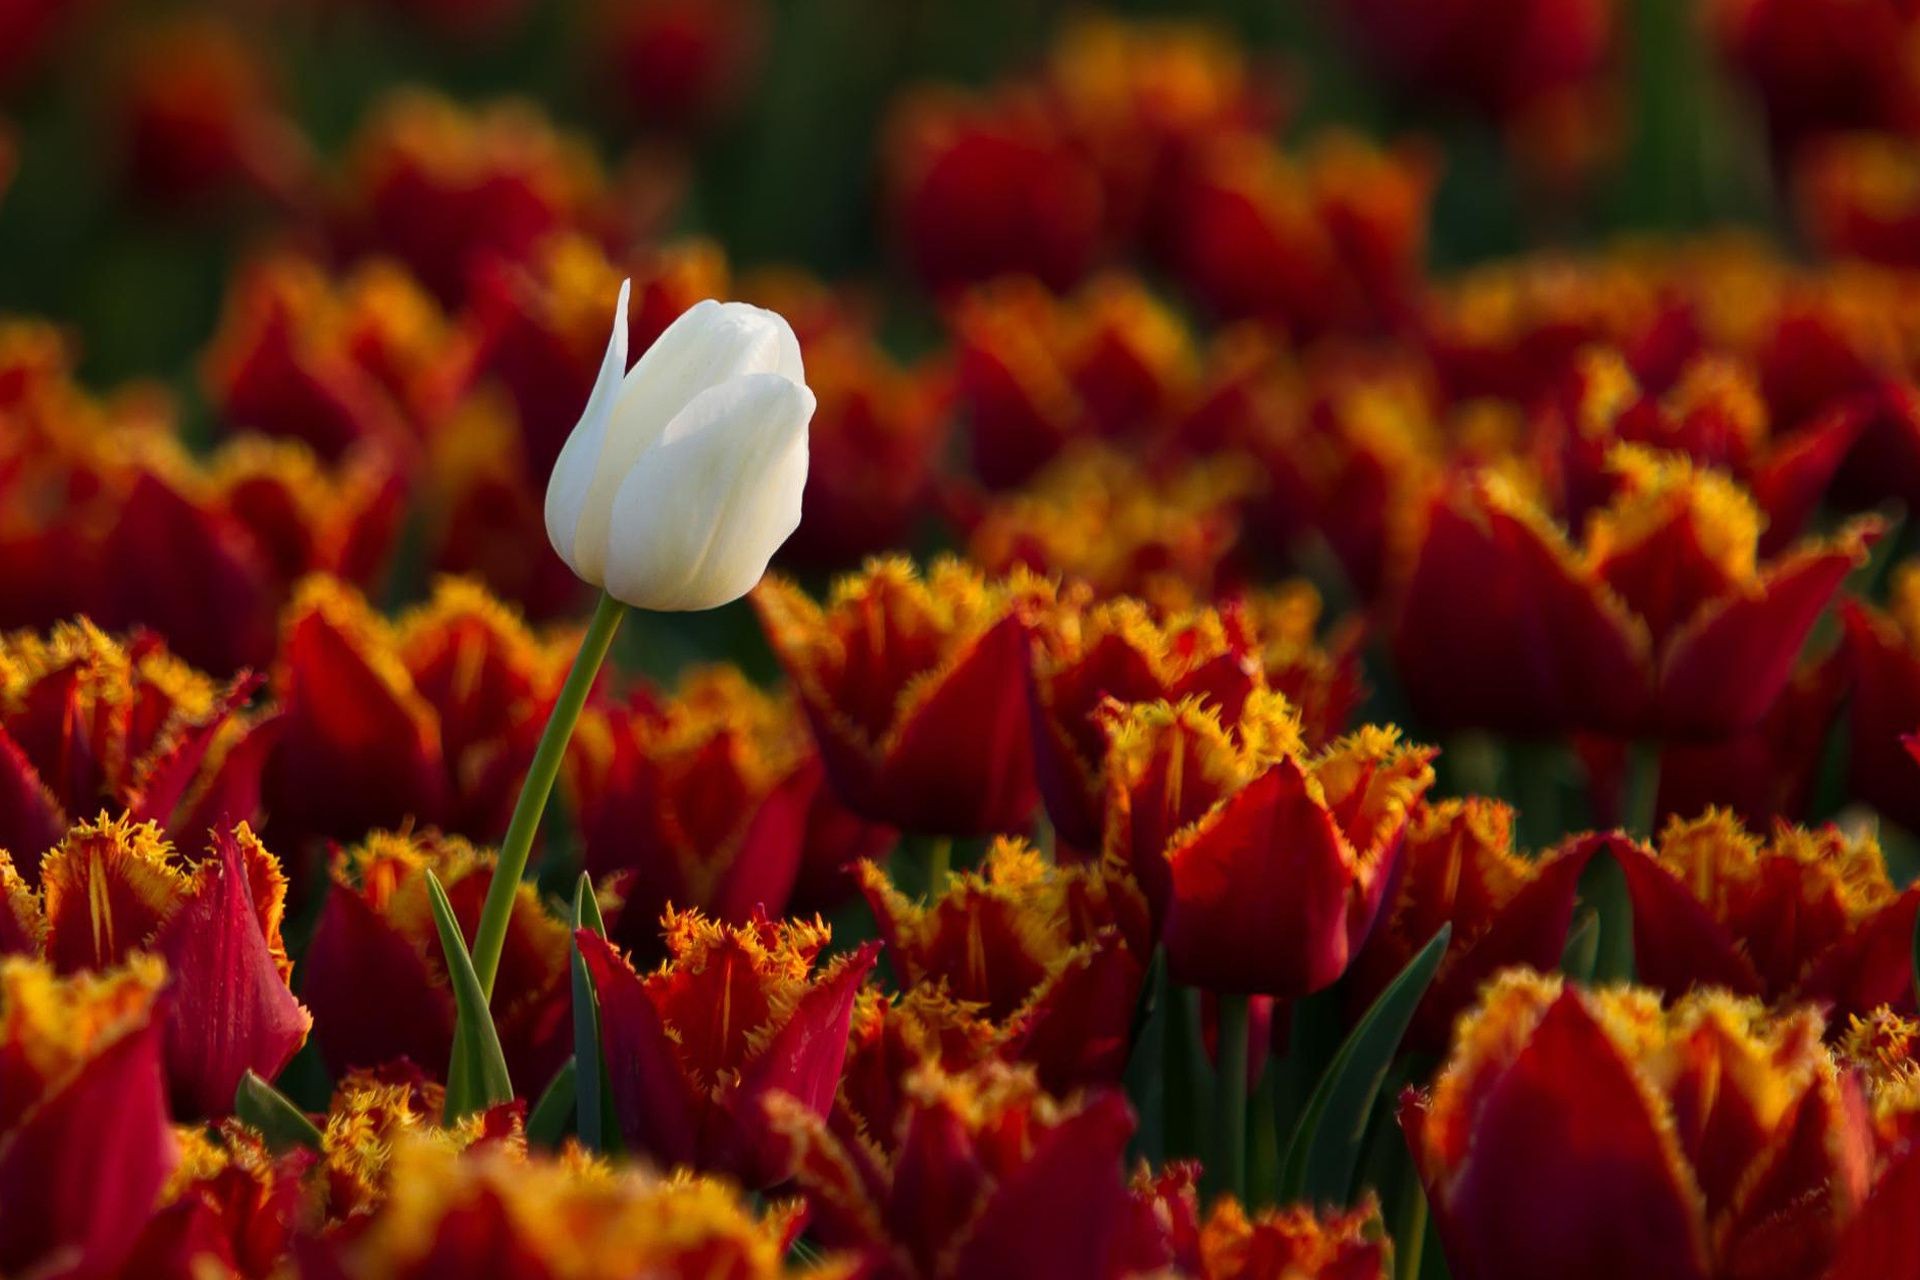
[[684, 475]]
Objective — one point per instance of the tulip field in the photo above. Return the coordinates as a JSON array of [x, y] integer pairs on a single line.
[[937, 640]]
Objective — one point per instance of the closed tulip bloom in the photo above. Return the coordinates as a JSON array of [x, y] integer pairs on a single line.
[[684, 475]]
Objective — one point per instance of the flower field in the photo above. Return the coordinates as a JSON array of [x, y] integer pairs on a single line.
[[1248, 640]]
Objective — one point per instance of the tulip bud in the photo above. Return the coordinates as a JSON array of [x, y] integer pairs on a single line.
[[684, 476]]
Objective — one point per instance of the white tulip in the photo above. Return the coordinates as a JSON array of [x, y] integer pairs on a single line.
[[683, 477]]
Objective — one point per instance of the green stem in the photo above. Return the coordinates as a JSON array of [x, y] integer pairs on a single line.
[[1640, 798], [939, 866], [1410, 1231], [1230, 1099], [491, 937]]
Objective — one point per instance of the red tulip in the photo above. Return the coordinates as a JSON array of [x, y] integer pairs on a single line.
[[449, 191], [696, 1050], [87, 722], [1576, 1135], [114, 887], [234, 1209], [1458, 866], [85, 1147], [983, 1174], [899, 668], [1663, 624], [1054, 953], [1881, 653], [376, 933], [433, 717], [1085, 653], [1265, 867], [700, 801], [1807, 916]]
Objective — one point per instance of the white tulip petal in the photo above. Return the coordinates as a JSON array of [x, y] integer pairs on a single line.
[[573, 471], [709, 345], [699, 516]]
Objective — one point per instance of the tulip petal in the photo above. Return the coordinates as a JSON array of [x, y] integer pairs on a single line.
[[573, 470], [657, 1109], [1677, 944], [711, 344], [1569, 1173], [699, 515], [229, 1009]]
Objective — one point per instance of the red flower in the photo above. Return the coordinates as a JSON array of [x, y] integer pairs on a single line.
[[982, 188], [897, 670], [433, 717], [113, 887], [449, 191], [502, 1212], [1590, 1135], [1085, 653], [1106, 519], [1331, 243], [1807, 916], [1713, 414], [1819, 65], [85, 1147], [330, 363], [1264, 867], [232, 1208], [1662, 624], [1034, 373], [1459, 867], [1882, 655], [682, 63], [1054, 953], [87, 723], [376, 934], [698, 1050], [199, 118], [701, 801], [1294, 1242], [983, 1174]]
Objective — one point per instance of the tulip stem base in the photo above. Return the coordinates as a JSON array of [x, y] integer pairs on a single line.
[[491, 936], [1230, 1099], [939, 866]]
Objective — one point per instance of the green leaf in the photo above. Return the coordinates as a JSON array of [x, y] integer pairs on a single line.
[[547, 1123], [282, 1124], [1326, 1145], [1582, 952], [477, 1074], [594, 1119]]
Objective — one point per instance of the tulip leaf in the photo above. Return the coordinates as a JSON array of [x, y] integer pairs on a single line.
[[477, 1074], [283, 1125], [1582, 952], [547, 1122], [595, 1123], [1326, 1146]]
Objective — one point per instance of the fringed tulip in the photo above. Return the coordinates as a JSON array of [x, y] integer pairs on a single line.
[[700, 801], [697, 1049], [1581, 1134], [85, 1148], [1458, 866], [87, 722], [1264, 866], [1805, 916], [232, 1208], [505, 1213], [983, 1174], [1055, 953], [895, 670], [685, 474], [1664, 624], [1881, 653], [432, 717], [1087, 652], [1295, 1242], [376, 933], [113, 888]]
